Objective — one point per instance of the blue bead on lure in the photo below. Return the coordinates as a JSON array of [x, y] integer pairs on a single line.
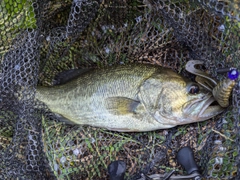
[[233, 74]]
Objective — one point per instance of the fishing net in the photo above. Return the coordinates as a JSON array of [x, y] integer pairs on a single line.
[[40, 39]]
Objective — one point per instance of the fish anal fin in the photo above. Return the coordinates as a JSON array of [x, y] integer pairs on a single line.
[[123, 130], [121, 105]]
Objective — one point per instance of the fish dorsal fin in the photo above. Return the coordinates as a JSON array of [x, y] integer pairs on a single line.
[[121, 105], [68, 75]]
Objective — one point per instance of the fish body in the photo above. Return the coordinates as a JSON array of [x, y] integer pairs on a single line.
[[129, 98]]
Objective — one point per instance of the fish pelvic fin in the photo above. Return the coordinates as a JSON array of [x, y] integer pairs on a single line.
[[121, 105], [63, 119]]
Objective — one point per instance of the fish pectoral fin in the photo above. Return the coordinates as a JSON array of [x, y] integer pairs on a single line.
[[121, 105]]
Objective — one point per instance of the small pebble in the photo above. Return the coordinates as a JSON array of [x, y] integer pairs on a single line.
[[63, 159], [55, 166], [93, 140], [217, 142], [221, 148], [218, 160], [76, 152], [221, 27]]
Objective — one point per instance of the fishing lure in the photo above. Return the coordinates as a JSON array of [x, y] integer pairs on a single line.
[[221, 90], [224, 88]]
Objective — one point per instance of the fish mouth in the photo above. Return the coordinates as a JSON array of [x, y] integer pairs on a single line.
[[201, 109], [209, 109]]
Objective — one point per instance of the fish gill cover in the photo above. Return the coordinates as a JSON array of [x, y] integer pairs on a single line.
[[40, 39]]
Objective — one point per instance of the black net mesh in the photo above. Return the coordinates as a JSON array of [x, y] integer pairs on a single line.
[[40, 39]]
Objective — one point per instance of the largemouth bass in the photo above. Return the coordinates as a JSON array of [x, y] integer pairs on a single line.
[[130, 98]]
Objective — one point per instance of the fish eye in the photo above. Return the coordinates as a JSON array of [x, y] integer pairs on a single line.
[[194, 89]]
